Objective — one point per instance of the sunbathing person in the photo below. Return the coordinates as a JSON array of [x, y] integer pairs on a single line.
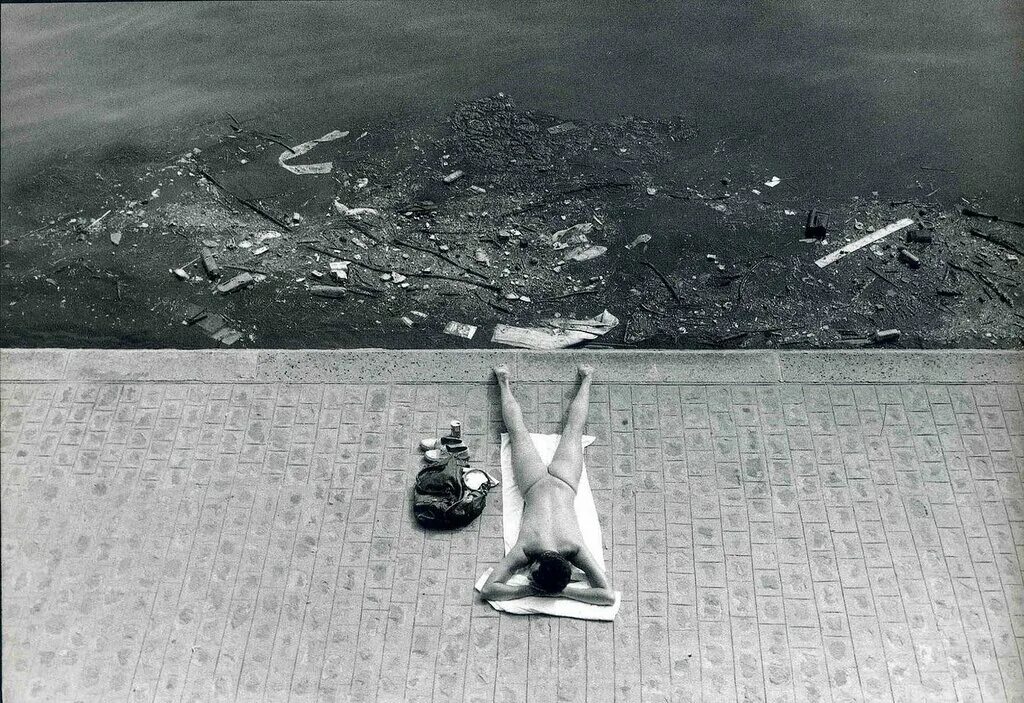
[[550, 542]]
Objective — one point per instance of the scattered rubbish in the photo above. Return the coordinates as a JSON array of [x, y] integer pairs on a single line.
[[558, 333], [453, 176], [264, 236], [459, 329], [407, 322], [882, 336], [773, 181], [755, 191], [478, 190], [652, 191], [362, 183], [308, 169], [481, 256], [327, 291], [908, 258], [712, 257], [209, 263], [921, 236], [863, 242], [642, 239], [586, 253], [240, 281], [355, 212], [562, 128], [261, 250], [417, 313], [245, 244], [397, 277], [1012, 257], [858, 225], [115, 237], [817, 224], [339, 269], [789, 212], [296, 219], [180, 273]]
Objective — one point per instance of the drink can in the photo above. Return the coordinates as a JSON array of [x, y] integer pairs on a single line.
[[456, 428]]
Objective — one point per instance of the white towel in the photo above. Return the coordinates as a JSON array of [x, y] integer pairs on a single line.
[[586, 515]]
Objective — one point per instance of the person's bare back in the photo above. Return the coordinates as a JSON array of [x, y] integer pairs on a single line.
[[550, 542]]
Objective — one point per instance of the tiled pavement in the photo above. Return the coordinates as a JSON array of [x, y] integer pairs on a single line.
[[251, 540]]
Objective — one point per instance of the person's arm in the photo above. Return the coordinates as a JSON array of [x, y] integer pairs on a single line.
[[600, 590], [495, 587]]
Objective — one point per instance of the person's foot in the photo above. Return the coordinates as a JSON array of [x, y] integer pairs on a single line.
[[501, 373], [586, 371]]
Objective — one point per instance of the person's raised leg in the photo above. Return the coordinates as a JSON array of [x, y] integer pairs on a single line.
[[567, 463], [527, 466]]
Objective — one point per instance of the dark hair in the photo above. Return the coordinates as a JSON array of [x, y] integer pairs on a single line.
[[553, 572]]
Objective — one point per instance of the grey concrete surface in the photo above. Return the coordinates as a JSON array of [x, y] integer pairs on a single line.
[[193, 526]]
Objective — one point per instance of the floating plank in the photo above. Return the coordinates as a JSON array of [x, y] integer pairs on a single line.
[[863, 242]]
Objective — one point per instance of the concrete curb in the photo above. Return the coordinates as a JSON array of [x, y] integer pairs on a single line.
[[473, 366]]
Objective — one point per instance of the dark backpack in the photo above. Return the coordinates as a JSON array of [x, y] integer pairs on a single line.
[[442, 499]]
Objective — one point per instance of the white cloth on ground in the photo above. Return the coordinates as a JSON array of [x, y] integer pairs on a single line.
[[590, 526]]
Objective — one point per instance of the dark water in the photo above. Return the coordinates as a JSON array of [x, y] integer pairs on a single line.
[[837, 100]]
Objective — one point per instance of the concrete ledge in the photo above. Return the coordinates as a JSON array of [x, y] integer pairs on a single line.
[[32, 364], [897, 366], [473, 366], [197, 366]]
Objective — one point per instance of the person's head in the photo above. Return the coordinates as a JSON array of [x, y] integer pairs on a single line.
[[551, 572]]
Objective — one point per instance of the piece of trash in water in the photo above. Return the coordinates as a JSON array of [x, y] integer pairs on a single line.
[[264, 236], [720, 207], [453, 176], [886, 335], [296, 218], [407, 322], [558, 333], [863, 242], [359, 243], [755, 191], [261, 250], [193, 313], [417, 313], [712, 257], [481, 256], [586, 253], [652, 191], [240, 281], [115, 237], [642, 239], [921, 236], [460, 329], [296, 151], [362, 183], [397, 277], [1012, 257], [209, 263], [212, 324], [327, 291], [789, 212], [244, 244], [180, 273], [227, 336], [478, 190], [858, 225], [908, 258], [576, 233], [339, 269], [562, 128], [773, 181], [356, 212], [817, 224]]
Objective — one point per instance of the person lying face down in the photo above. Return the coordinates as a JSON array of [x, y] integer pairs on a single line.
[[550, 542]]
